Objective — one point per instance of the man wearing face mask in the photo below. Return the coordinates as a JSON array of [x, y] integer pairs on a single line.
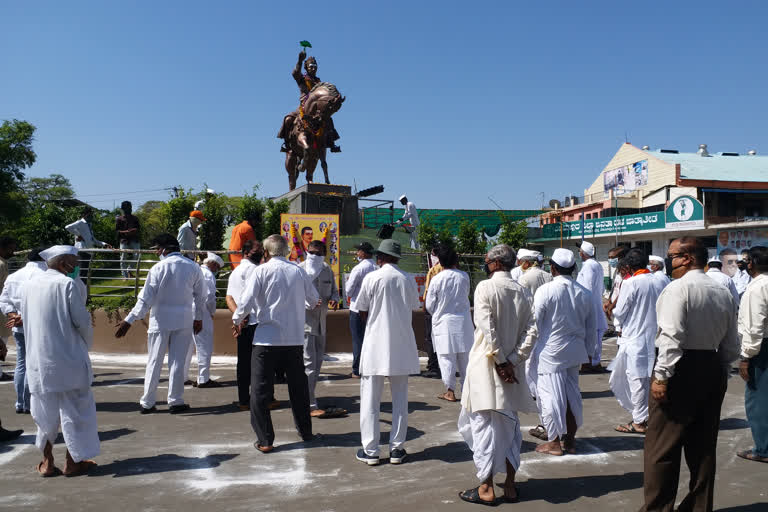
[[58, 334], [252, 253], [656, 266], [614, 256], [203, 341], [714, 270], [321, 275], [187, 237], [740, 275], [433, 366], [174, 296], [365, 266], [591, 277], [696, 342]]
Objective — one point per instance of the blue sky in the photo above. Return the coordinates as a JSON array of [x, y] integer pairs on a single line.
[[449, 102]]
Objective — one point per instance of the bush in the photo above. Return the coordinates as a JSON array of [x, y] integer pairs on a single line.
[[272, 218], [217, 217], [469, 238]]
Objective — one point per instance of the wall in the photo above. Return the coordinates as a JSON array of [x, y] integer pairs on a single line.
[[135, 342], [660, 173]]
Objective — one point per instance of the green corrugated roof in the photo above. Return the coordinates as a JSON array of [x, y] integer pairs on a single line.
[[717, 166], [488, 220]]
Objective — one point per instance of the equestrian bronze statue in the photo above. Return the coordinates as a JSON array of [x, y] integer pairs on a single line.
[[309, 131]]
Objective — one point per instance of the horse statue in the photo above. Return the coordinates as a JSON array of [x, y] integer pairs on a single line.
[[306, 139]]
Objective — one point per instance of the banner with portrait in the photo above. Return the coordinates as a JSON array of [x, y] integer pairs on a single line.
[[626, 179], [741, 238], [302, 228]]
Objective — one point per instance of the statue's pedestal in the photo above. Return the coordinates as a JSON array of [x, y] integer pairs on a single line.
[[321, 198]]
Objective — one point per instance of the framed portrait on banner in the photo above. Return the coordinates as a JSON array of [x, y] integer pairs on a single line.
[[299, 229]]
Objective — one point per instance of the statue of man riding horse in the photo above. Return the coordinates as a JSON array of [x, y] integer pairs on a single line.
[[308, 131]]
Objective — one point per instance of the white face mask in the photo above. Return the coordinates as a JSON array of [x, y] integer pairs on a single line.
[[162, 256], [314, 264]]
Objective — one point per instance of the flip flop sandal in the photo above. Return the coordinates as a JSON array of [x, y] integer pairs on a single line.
[[629, 428], [83, 468], [750, 455], [539, 433], [332, 412], [263, 449], [473, 496], [55, 472], [506, 499], [443, 397]]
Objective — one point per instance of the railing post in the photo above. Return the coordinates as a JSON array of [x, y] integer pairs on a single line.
[[88, 277], [138, 269]]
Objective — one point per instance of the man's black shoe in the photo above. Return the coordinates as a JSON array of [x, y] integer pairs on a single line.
[[430, 374], [335, 149], [176, 409], [210, 384], [9, 435], [5, 377], [152, 409]]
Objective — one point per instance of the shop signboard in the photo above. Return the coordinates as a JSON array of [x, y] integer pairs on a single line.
[[608, 225], [685, 212]]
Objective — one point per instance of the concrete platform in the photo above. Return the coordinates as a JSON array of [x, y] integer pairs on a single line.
[[204, 459]]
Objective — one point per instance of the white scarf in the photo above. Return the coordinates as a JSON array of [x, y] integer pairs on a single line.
[[314, 265]]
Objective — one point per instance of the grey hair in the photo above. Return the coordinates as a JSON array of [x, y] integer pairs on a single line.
[[503, 254], [57, 260], [276, 245]]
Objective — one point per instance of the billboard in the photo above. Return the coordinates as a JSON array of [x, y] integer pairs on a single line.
[[301, 228], [740, 239], [626, 179]]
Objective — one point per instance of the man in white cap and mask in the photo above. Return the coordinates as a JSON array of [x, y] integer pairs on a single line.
[[58, 334], [532, 276], [656, 266], [203, 340], [591, 277], [565, 318], [494, 390], [387, 297], [411, 216], [714, 270], [321, 275], [174, 296], [632, 368]]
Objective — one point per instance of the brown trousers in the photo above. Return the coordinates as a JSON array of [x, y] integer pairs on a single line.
[[688, 421]]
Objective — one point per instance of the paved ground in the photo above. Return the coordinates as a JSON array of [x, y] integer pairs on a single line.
[[204, 460]]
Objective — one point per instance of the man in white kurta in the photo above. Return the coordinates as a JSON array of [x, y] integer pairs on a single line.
[[203, 341], [365, 266], [656, 266], [495, 389], [173, 295], [741, 277], [411, 215], [591, 277], [58, 334], [10, 304], [315, 330], [388, 296], [632, 368], [715, 272], [452, 330], [566, 325]]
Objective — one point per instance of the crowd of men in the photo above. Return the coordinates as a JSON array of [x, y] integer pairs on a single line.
[[521, 350]]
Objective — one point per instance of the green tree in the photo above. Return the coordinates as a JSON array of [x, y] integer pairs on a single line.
[[250, 205], [272, 217], [513, 233], [176, 210], [43, 225], [151, 221], [55, 186], [430, 235], [469, 238], [16, 154], [217, 217]]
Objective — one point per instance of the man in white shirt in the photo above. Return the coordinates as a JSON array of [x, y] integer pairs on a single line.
[[252, 253], [84, 238], [714, 270], [452, 330], [411, 216], [532, 276], [187, 236], [58, 334], [280, 292], [735, 267], [565, 318], [591, 277], [11, 299], [388, 296], [7, 248], [315, 330], [494, 390], [173, 294], [656, 266], [365, 266], [753, 368], [203, 341], [631, 370], [696, 342]]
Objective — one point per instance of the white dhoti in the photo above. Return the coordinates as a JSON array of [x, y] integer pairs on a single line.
[[629, 383], [203, 342], [556, 392], [75, 411], [371, 387], [532, 377], [449, 364], [598, 353], [494, 438], [314, 349], [176, 343]]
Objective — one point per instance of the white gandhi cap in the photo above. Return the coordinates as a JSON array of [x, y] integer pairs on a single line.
[[526, 254], [214, 258], [58, 250], [656, 259], [587, 248], [401, 197], [564, 258]]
